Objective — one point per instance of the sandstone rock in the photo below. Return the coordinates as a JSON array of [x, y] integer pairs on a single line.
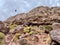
[[3, 28], [55, 35]]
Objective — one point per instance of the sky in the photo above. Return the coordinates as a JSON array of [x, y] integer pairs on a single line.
[[8, 7]]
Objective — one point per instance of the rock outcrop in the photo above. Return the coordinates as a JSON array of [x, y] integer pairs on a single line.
[[3, 28], [55, 35], [39, 15], [40, 26]]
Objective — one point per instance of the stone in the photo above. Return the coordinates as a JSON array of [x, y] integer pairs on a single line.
[[55, 35], [23, 42], [56, 26]]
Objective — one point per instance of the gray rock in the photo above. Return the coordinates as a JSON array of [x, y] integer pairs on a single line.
[[55, 35], [56, 26]]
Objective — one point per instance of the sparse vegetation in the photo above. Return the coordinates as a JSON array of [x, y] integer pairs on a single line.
[[48, 27], [31, 28], [2, 36], [31, 32], [16, 36], [12, 26], [27, 29]]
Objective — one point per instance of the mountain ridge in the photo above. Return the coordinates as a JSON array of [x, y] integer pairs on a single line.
[[36, 27], [42, 12]]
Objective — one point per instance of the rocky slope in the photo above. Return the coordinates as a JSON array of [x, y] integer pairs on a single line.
[[40, 26]]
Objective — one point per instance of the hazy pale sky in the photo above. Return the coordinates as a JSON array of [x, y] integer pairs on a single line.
[[8, 7]]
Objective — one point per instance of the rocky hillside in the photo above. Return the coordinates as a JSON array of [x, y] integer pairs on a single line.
[[40, 26]]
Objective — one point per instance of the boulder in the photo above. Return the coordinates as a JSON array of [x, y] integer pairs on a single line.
[[55, 35], [56, 26]]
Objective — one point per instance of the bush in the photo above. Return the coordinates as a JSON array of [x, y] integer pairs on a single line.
[[27, 29], [31, 32], [2, 35], [16, 36], [48, 27], [12, 26]]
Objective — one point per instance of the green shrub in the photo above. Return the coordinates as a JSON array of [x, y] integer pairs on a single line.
[[48, 27], [2, 35], [16, 36], [12, 26], [27, 29], [31, 32]]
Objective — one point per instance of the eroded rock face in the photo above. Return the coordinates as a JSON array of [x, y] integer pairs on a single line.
[[18, 19], [3, 28], [39, 15], [33, 28], [1, 25], [55, 35]]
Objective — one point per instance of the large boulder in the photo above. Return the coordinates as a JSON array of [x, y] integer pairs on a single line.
[[56, 26], [55, 35]]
